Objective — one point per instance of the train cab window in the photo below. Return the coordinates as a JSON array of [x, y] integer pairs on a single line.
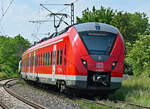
[[61, 53], [51, 57], [57, 57]]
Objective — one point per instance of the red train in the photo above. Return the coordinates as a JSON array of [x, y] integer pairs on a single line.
[[86, 56]]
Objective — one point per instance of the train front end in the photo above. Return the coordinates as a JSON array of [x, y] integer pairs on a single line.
[[98, 55]]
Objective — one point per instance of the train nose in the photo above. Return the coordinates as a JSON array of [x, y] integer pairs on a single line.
[[96, 66]]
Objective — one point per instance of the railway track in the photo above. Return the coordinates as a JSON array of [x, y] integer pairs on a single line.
[[82, 99], [56, 93], [137, 106], [29, 103], [3, 106], [98, 103], [132, 104]]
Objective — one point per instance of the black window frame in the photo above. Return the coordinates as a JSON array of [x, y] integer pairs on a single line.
[[57, 57], [61, 56]]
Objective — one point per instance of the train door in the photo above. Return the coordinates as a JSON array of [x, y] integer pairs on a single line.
[[64, 59], [34, 65], [29, 63], [54, 63]]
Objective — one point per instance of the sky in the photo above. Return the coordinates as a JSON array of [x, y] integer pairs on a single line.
[[16, 20]]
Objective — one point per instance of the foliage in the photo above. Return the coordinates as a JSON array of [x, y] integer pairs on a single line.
[[103, 15], [8, 75], [130, 25], [11, 50], [139, 56], [128, 68]]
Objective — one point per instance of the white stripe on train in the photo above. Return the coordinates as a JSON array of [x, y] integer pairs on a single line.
[[69, 77]]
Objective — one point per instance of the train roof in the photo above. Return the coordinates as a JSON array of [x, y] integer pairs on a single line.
[[96, 26]]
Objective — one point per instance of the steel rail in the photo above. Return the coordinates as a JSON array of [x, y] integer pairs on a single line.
[[101, 104], [132, 104], [20, 98], [3, 105]]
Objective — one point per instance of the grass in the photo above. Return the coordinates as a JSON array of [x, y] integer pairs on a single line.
[[135, 90], [8, 75]]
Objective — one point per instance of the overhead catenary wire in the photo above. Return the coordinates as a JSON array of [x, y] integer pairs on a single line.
[[53, 13], [3, 14], [6, 10], [39, 22], [2, 9]]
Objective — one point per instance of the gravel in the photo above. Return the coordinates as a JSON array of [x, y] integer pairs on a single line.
[[10, 101], [45, 99]]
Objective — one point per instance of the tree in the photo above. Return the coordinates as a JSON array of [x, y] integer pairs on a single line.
[[11, 50], [139, 56], [130, 25], [103, 15]]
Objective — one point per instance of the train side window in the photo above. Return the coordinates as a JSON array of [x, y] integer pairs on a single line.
[[57, 57], [65, 49], [36, 60], [46, 58], [28, 61], [31, 61], [41, 59], [54, 57], [51, 57], [61, 53]]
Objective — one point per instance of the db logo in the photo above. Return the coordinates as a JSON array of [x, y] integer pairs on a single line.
[[99, 65]]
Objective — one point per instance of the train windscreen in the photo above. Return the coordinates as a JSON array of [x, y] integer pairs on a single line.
[[98, 42]]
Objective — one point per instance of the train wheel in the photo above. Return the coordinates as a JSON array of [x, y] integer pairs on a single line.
[[63, 88]]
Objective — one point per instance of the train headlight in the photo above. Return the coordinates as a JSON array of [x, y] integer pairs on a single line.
[[114, 64], [84, 62]]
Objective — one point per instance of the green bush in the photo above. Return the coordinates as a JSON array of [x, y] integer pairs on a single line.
[[128, 68], [139, 56]]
